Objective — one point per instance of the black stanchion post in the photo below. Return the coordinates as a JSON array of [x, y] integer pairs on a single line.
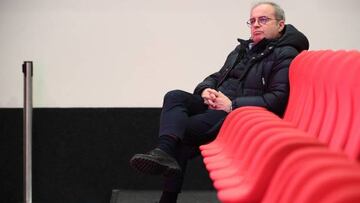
[[27, 131]]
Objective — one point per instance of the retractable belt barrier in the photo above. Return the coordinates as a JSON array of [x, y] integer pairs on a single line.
[[27, 69]]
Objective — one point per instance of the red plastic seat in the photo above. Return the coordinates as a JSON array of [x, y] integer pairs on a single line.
[[250, 184], [299, 93], [228, 126], [309, 175], [229, 149], [324, 99], [253, 136], [290, 167], [338, 184], [226, 134]]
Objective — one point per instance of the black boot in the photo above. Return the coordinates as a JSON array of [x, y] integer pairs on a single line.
[[156, 162]]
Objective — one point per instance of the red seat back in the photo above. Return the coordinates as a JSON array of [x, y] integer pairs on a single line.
[[325, 96]]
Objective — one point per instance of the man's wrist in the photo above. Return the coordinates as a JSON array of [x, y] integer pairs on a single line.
[[230, 107]]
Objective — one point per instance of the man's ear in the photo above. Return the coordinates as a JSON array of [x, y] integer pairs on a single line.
[[281, 25]]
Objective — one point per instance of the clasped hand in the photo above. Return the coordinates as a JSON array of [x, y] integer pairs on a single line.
[[216, 100]]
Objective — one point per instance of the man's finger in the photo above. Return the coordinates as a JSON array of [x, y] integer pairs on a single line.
[[212, 96], [214, 92], [211, 102]]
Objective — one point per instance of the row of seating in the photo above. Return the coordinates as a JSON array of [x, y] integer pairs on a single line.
[[311, 154]]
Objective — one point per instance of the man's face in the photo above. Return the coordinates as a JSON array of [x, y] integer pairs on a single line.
[[263, 23]]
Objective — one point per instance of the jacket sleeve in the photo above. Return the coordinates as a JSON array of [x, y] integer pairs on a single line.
[[209, 82], [276, 88], [212, 81]]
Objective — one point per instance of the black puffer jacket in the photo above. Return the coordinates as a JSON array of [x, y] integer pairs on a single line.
[[264, 80]]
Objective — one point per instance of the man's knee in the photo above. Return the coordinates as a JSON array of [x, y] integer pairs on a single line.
[[202, 129], [176, 95]]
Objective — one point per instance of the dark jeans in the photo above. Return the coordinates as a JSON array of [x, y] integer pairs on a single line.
[[185, 116]]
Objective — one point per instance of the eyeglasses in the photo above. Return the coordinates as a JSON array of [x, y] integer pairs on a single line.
[[262, 20]]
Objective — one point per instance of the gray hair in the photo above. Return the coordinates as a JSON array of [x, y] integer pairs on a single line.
[[279, 12]]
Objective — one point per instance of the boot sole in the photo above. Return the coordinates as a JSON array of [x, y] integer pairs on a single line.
[[146, 165]]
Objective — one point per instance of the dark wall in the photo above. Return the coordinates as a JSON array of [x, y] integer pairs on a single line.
[[81, 154]]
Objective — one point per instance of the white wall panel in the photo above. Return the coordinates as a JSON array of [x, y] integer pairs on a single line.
[[128, 53]]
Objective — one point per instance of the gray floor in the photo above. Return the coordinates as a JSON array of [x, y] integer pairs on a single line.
[[146, 196]]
